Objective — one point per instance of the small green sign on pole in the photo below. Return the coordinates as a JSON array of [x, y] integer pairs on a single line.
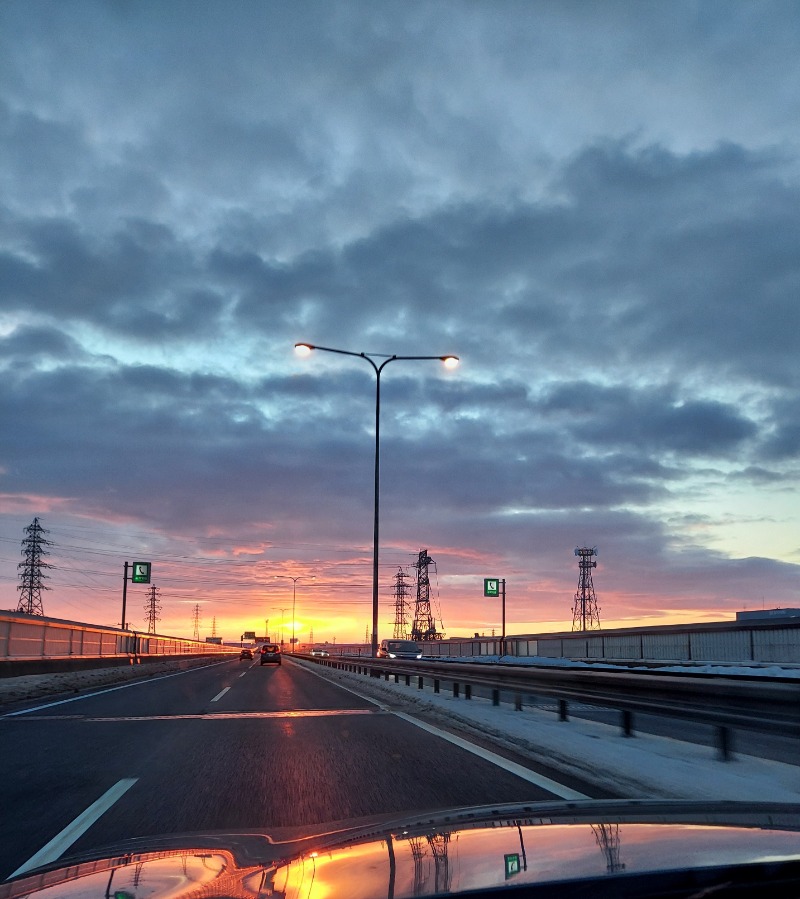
[[141, 573], [512, 864], [491, 586]]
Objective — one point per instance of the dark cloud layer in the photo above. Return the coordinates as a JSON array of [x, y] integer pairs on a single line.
[[597, 209]]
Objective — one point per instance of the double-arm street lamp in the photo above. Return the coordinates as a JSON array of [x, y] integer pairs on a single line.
[[294, 580], [450, 362], [283, 621]]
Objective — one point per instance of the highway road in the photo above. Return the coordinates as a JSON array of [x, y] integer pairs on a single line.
[[230, 746]]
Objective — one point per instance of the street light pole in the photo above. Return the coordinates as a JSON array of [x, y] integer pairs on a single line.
[[283, 619], [294, 581], [450, 362], [294, 598]]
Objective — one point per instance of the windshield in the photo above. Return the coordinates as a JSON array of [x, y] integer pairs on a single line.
[[399, 414]]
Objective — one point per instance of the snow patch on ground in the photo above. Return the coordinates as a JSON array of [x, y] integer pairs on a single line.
[[639, 767]]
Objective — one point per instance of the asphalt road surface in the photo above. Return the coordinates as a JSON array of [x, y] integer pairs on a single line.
[[230, 746]]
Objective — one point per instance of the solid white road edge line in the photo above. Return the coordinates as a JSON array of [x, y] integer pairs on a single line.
[[220, 694], [138, 683], [62, 841], [538, 780]]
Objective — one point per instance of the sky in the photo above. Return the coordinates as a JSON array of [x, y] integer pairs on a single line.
[[595, 206]]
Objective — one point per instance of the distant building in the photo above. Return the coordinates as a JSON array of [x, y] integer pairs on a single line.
[[767, 614]]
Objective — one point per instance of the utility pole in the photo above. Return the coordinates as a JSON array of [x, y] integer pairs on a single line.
[[153, 608], [31, 573]]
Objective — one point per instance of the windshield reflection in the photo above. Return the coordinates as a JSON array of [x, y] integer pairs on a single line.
[[407, 865], [414, 862]]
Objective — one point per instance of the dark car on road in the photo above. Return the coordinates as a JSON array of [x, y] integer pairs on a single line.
[[246, 654], [270, 652], [399, 649]]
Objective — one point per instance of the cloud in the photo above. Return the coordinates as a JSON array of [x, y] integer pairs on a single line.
[[596, 210], [653, 420]]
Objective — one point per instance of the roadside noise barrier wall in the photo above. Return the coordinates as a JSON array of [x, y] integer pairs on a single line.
[[31, 644]]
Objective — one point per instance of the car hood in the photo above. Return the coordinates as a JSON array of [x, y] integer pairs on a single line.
[[607, 847]]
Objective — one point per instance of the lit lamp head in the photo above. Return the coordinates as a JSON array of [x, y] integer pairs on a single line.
[[303, 349], [450, 361]]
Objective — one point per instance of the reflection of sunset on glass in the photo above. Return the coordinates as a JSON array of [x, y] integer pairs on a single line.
[[440, 861], [420, 862]]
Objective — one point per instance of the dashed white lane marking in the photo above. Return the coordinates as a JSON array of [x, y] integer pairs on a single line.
[[62, 841], [220, 694]]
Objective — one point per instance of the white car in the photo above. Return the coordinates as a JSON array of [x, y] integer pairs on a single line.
[[320, 652]]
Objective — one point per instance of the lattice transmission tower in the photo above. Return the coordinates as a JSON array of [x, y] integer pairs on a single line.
[[152, 608], [401, 590], [196, 622], [424, 626], [585, 613], [31, 571], [607, 836]]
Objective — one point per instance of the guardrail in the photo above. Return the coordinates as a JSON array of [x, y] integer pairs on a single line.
[[725, 702], [33, 644]]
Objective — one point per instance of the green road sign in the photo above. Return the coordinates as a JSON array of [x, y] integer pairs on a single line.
[[491, 586], [512, 864], [141, 573]]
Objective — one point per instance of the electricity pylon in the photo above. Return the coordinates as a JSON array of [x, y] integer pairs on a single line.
[[424, 626], [585, 613], [31, 570], [153, 608], [401, 591], [196, 622]]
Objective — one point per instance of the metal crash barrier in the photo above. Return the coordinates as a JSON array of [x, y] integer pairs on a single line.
[[724, 702]]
